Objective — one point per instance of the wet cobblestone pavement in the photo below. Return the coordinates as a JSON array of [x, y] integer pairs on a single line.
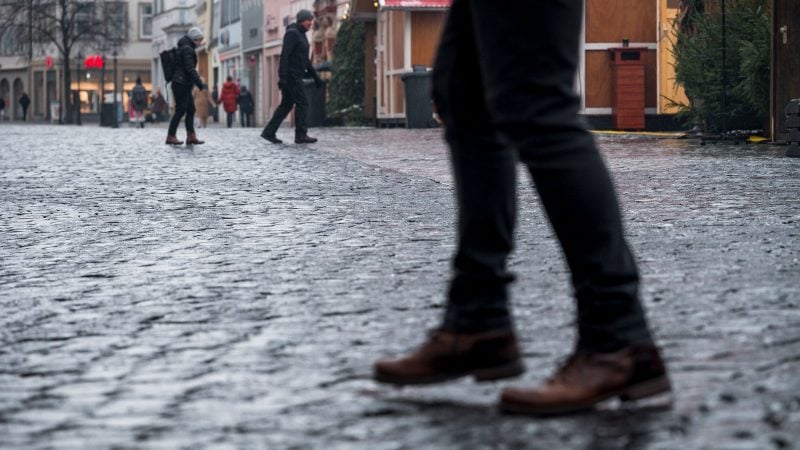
[[235, 295]]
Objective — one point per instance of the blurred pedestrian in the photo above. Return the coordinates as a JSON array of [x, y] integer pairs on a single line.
[[24, 102], [139, 102], [2, 109], [230, 92], [184, 77], [215, 109], [294, 64], [246, 107], [159, 105], [522, 107], [202, 103]]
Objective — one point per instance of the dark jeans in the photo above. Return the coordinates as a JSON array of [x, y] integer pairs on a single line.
[[506, 94], [293, 95], [24, 114], [184, 105], [246, 119], [229, 117]]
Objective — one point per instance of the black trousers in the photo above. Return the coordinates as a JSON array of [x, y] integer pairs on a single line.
[[293, 95], [184, 106], [505, 93], [246, 119]]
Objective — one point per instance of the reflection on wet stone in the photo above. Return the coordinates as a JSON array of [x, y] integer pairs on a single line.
[[235, 295]]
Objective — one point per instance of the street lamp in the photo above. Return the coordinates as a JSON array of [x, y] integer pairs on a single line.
[[114, 123], [78, 102]]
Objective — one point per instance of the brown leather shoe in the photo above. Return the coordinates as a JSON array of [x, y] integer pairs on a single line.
[[172, 140], [191, 139], [445, 356], [586, 379]]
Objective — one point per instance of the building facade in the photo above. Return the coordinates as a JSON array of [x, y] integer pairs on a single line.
[[36, 69]]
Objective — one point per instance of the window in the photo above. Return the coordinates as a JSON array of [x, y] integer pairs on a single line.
[[117, 14], [145, 20], [229, 12]]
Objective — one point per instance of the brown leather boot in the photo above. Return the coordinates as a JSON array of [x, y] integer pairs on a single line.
[[191, 139], [172, 140], [445, 356], [586, 379]]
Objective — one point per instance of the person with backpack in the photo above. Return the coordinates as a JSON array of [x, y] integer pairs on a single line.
[[294, 63], [185, 75], [246, 107], [229, 95], [139, 102]]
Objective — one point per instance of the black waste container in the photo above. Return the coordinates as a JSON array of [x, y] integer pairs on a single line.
[[107, 116], [419, 106], [316, 103]]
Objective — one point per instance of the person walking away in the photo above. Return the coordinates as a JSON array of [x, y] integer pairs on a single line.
[[526, 110], [24, 102], [229, 94], [159, 105], [294, 64], [2, 109], [202, 103], [246, 107], [182, 80], [139, 102], [215, 109]]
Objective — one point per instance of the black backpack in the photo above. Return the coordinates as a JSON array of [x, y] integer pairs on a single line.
[[169, 62]]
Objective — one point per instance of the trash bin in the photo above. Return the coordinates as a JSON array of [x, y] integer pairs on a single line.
[[627, 88], [419, 106], [107, 115], [316, 103]]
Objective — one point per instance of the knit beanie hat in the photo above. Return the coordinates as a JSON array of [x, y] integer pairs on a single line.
[[304, 15], [195, 34]]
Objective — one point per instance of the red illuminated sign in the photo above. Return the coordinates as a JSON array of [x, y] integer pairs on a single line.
[[93, 62]]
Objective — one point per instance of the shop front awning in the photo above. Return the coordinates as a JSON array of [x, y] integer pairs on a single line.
[[415, 4]]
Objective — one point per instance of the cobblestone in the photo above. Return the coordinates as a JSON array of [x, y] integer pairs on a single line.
[[235, 295]]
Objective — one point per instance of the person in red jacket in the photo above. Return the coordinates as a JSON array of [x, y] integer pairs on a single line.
[[228, 96]]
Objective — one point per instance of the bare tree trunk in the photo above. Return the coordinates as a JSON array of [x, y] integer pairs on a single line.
[[66, 111]]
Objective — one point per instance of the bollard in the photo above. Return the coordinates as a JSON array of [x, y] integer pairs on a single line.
[[792, 111]]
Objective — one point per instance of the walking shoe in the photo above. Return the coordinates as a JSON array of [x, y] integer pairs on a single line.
[[304, 139], [271, 137], [486, 356], [191, 139], [172, 140], [586, 379]]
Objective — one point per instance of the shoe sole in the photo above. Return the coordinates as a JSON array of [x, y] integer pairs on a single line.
[[644, 390], [479, 375]]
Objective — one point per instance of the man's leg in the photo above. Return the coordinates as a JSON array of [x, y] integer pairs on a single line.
[[182, 97], [476, 336], [529, 76], [300, 109], [283, 110]]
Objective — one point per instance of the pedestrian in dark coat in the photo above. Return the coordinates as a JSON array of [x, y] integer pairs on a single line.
[[246, 107], [215, 109], [229, 95], [159, 105], [506, 94], [24, 102], [2, 108], [182, 81], [139, 102], [294, 65]]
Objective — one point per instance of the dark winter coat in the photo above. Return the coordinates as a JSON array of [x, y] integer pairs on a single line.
[[228, 96], [2, 103], [246, 103], [139, 98], [185, 68], [24, 101], [294, 62]]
